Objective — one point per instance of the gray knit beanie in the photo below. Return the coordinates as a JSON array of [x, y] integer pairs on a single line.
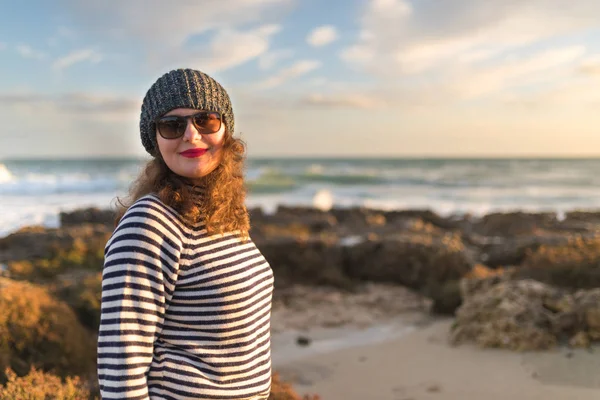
[[182, 88]]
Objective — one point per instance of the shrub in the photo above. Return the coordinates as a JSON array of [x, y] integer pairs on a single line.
[[38, 385], [283, 391], [37, 330]]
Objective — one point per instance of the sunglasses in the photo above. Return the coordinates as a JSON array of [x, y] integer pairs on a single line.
[[174, 126]]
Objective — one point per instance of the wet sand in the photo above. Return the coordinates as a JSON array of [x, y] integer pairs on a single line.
[[417, 363]]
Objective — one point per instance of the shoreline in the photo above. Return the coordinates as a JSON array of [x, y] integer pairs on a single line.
[[420, 364]]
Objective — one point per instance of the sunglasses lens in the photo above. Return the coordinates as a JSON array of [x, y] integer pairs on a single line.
[[208, 122], [171, 128]]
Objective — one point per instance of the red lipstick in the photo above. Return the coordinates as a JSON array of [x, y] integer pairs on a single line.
[[193, 153]]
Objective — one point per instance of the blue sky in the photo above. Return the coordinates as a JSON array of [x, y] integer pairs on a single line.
[[310, 78]]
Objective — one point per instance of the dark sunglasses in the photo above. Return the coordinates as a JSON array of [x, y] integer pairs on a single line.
[[174, 126]]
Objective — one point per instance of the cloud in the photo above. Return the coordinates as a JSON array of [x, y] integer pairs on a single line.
[[27, 52], [397, 39], [270, 59], [590, 66], [322, 36], [77, 57], [462, 50], [348, 100], [158, 23], [214, 35], [74, 104], [2, 45], [298, 69], [528, 70], [231, 48]]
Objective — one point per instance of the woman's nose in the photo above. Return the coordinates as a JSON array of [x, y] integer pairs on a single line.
[[190, 130]]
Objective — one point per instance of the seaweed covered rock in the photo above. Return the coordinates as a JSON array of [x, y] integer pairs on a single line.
[[83, 294], [574, 264], [38, 254], [37, 330], [312, 261], [588, 313], [91, 215], [511, 314], [416, 261], [513, 224]]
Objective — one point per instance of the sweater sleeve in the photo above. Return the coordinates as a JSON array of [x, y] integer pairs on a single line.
[[140, 270]]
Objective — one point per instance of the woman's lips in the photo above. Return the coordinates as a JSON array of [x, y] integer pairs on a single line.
[[192, 153]]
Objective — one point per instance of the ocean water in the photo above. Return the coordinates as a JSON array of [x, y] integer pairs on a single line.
[[35, 191]]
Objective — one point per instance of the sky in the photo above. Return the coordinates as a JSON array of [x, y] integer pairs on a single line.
[[309, 78]]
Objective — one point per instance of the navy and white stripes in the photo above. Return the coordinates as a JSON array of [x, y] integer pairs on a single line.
[[184, 315]]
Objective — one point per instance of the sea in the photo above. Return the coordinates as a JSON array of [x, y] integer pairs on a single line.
[[34, 192]]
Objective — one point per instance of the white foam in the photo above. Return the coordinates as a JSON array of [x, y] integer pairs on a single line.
[[5, 174], [315, 169], [323, 200]]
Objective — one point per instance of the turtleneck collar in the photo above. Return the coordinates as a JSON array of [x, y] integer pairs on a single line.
[[198, 192]]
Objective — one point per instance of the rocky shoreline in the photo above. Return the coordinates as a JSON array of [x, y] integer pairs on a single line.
[[520, 281]]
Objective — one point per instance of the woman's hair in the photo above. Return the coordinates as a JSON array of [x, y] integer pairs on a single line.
[[222, 206]]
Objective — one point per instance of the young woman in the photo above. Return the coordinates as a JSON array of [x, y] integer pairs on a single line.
[[186, 295]]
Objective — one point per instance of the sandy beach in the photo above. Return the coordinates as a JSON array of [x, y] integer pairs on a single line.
[[419, 364]]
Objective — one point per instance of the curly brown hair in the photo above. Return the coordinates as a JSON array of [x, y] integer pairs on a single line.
[[223, 209]]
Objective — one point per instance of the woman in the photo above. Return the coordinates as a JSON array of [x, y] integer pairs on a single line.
[[186, 295]]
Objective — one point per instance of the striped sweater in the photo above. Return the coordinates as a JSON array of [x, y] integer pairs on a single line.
[[184, 315]]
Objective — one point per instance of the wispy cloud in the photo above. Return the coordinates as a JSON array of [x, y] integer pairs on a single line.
[[27, 52], [322, 36], [271, 58], [298, 69], [346, 100], [165, 25], [77, 57], [465, 50], [2, 45], [228, 29], [73, 104], [231, 48], [511, 73]]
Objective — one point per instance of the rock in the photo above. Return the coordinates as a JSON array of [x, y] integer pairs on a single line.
[[573, 264], [88, 216], [427, 216], [514, 250], [83, 293], [513, 224], [522, 314], [588, 310], [580, 339], [509, 314], [303, 341], [311, 261], [310, 220], [446, 297], [414, 261], [28, 244], [583, 216]]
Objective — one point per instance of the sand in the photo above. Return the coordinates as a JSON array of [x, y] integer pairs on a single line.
[[417, 363]]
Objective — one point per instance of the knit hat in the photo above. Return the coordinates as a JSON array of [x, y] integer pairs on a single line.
[[182, 88]]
